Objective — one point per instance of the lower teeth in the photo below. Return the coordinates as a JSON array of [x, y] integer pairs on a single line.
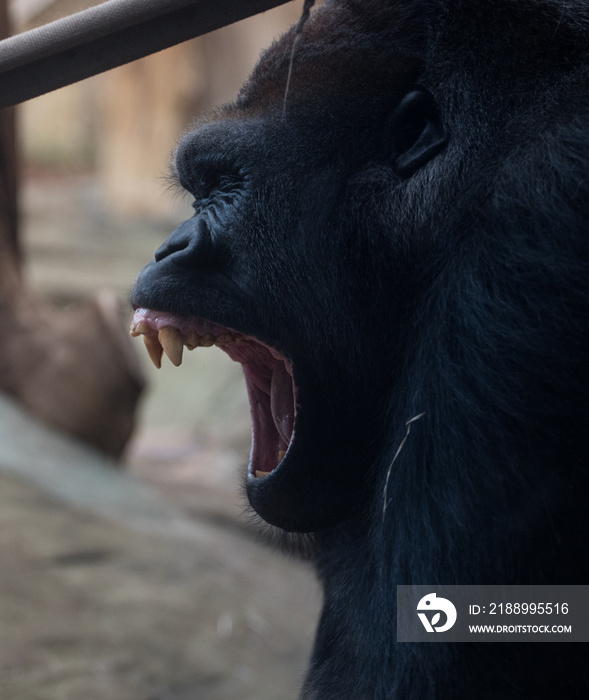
[[259, 473]]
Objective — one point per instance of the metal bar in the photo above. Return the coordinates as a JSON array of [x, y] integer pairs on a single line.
[[107, 36], [9, 173]]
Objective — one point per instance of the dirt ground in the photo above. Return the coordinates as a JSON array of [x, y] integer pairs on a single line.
[[147, 582]]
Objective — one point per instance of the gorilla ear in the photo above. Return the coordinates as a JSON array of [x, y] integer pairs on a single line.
[[416, 132]]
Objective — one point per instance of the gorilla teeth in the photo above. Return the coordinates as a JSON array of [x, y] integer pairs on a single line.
[[172, 343], [194, 340], [154, 349], [259, 473]]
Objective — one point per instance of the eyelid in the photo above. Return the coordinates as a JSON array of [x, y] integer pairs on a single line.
[[194, 170]]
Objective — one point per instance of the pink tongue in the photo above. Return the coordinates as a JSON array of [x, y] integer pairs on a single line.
[[281, 402]]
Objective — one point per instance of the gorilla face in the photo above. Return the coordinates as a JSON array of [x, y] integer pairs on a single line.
[[291, 263]]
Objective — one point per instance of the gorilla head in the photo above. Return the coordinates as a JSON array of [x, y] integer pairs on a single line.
[[296, 246], [404, 236]]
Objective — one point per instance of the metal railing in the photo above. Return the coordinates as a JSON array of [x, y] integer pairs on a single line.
[[106, 36]]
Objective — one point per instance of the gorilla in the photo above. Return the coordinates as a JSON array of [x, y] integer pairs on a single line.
[[396, 250]]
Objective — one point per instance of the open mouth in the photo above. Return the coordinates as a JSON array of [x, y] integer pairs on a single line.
[[268, 376]]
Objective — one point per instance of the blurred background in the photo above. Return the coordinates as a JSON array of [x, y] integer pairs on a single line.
[[128, 569]]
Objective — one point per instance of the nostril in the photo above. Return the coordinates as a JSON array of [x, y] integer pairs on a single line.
[[168, 248], [189, 246]]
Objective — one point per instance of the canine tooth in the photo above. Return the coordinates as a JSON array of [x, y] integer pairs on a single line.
[[140, 329], [261, 473], [171, 341], [154, 349], [281, 454]]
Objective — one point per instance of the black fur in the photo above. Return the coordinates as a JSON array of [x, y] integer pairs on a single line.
[[457, 288]]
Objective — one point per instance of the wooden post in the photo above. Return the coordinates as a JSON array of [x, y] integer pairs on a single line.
[[74, 368]]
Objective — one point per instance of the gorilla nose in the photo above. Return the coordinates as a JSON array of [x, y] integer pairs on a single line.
[[189, 246]]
